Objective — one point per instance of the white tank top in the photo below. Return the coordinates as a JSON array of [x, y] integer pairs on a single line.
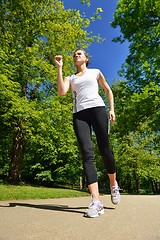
[[85, 90]]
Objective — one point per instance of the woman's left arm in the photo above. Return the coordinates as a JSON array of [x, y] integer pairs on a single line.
[[102, 82]]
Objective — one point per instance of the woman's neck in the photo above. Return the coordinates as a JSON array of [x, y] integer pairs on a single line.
[[81, 69]]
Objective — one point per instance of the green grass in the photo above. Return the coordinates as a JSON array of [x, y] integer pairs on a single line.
[[12, 192]]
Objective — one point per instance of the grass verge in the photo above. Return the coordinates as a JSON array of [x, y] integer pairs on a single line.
[[12, 192]]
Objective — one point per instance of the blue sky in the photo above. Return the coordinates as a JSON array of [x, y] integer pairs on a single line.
[[107, 56]]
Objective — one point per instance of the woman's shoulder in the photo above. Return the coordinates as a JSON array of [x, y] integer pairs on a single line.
[[71, 77], [94, 71]]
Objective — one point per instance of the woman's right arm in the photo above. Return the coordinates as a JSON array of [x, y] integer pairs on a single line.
[[62, 85]]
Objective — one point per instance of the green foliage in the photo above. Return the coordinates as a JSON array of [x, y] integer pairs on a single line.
[[139, 24], [31, 34], [133, 109], [44, 177], [136, 131], [135, 137], [86, 2], [138, 161]]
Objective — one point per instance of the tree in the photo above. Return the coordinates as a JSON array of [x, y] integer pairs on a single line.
[[135, 137], [137, 98], [32, 33], [139, 25]]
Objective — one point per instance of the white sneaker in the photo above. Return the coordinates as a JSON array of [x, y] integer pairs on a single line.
[[95, 209], [115, 194]]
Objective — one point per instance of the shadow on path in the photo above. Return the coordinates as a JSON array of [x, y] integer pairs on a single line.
[[61, 208]]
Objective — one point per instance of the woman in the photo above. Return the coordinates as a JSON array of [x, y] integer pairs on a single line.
[[89, 112]]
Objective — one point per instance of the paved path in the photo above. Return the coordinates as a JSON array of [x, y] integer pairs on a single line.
[[135, 218]]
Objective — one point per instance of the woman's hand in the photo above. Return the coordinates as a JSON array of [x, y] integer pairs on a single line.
[[58, 60], [112, 116]]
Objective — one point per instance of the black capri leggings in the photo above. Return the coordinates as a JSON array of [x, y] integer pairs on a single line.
[[83, 122]]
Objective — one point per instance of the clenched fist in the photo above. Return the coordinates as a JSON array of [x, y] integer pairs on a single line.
[[58, 60]]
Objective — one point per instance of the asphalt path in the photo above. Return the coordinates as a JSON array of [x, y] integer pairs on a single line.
[[135, 218]]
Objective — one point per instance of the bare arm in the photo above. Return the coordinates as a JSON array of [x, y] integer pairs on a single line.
[[62, 85], [102, 82]]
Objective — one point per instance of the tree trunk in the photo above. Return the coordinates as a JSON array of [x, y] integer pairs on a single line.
[[137, 185], [16, 158]]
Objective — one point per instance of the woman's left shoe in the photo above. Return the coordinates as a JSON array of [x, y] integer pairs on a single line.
[[115, 194]]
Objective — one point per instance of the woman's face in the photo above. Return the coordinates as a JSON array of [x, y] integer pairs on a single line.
[[80, 58]]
